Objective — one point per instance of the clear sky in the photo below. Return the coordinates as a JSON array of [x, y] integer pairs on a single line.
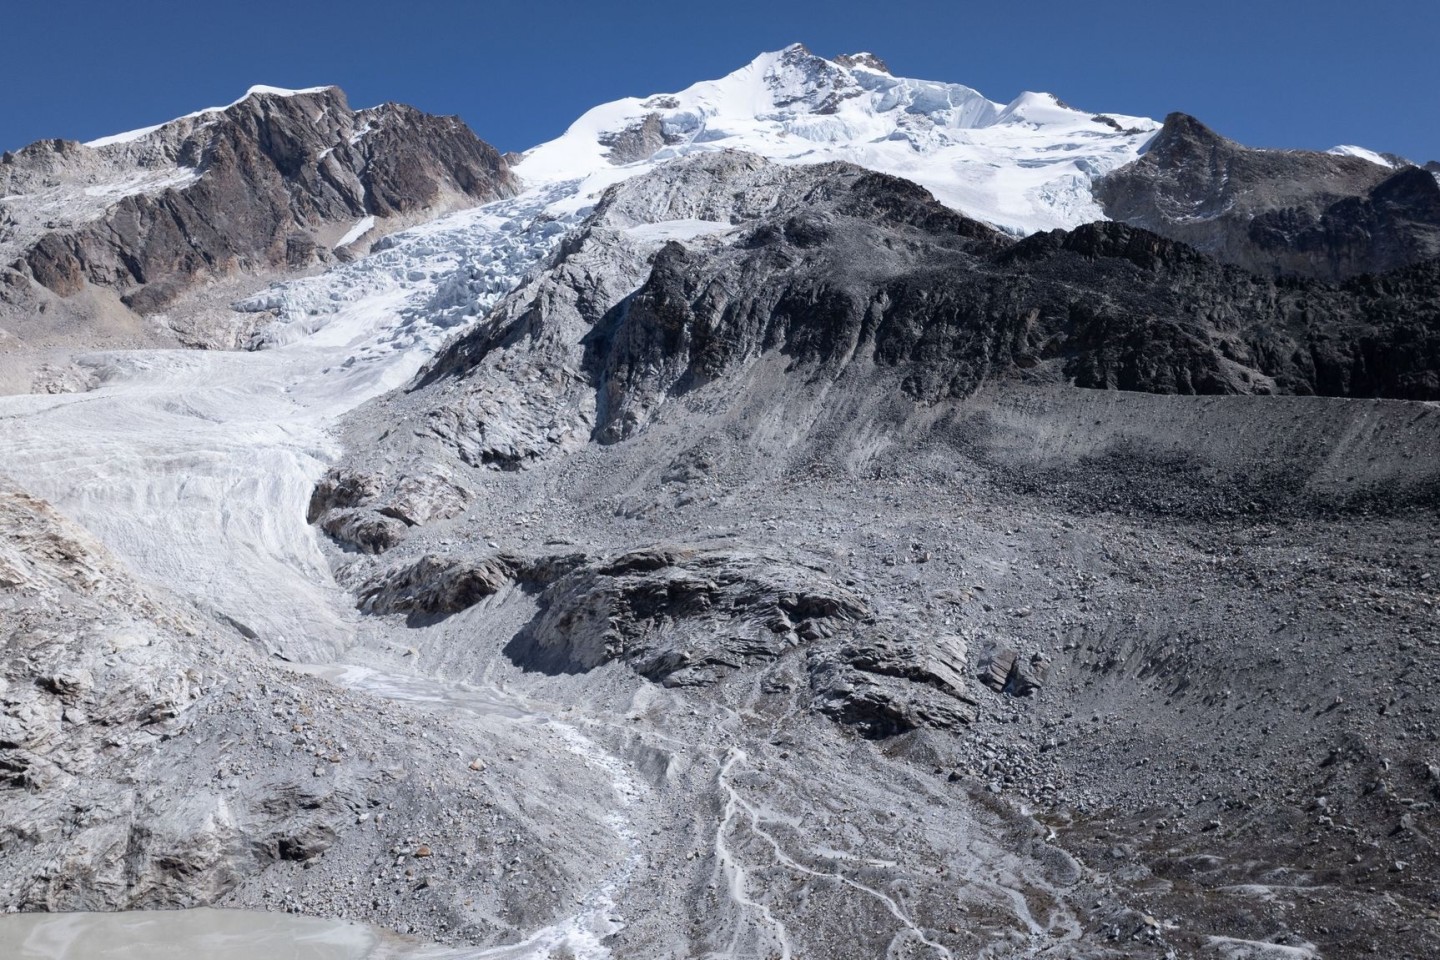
[[1265, 72]]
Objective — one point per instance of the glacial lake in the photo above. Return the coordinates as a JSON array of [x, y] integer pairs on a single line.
[[202, 934]]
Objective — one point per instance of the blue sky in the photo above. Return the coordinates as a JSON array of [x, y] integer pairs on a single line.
[[1284, 74]]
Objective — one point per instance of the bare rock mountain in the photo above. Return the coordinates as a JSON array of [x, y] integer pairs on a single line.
[[1323, 215], [277, 181]]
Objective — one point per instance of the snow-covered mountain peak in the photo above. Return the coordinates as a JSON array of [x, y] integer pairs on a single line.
[[1023, 166]]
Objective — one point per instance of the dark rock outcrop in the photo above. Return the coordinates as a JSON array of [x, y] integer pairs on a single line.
[[689, 617], [369, 513], [684, 616], [680, 615], [879, 705], [883, 684], [434, 587], [639, 141], [1290, 212], [1005, 671], [885, 275]]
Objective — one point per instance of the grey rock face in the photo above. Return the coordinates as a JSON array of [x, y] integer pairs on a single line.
[[678, 615], [882, 275], [1288, 212], [1395, 224], [270, 183]]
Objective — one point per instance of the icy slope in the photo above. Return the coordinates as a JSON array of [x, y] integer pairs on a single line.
[[196, 467], [1023, 166]]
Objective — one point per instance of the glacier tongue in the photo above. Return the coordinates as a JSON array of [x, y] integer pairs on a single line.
[[1023, 166], [197, 466]]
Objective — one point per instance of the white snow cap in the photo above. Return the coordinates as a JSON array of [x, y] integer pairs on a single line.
[[259, 90], [1350, 150], [1023, 166], [262, 90]]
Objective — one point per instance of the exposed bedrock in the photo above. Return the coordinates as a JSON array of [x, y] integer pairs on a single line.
[[683, 616], [273, 182], [1291, 212]]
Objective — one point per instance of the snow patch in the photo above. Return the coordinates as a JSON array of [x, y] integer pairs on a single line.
[[125, 137], [362, 227], [143, 183], [262, 90], [1350, 150]]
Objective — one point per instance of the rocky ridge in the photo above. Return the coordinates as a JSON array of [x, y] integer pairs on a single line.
[[1293, 212], [279, 181]]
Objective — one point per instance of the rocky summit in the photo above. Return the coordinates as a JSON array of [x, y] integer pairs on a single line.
[[815, 513], [94, 234]]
